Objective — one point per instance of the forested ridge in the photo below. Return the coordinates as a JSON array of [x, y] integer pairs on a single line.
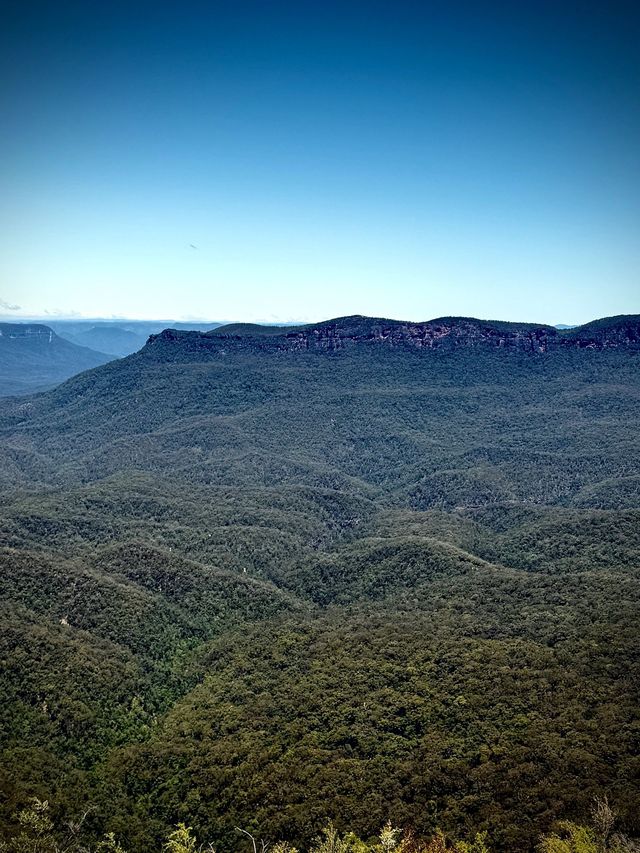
[[265, 585]]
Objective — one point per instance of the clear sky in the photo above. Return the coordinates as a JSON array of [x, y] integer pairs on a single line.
[[407, 160]]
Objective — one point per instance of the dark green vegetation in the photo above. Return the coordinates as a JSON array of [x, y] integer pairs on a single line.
[[33, 358], [37, 832], [342, 572]]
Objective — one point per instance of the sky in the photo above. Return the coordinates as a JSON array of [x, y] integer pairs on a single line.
[[297, 161]]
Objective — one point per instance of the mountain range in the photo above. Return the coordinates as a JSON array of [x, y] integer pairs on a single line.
[[356, 570], [118, 337], [35, 356]]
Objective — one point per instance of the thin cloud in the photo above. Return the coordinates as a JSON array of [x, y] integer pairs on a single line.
[[8, 306]]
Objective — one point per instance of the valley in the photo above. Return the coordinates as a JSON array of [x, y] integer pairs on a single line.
[[361, 571]]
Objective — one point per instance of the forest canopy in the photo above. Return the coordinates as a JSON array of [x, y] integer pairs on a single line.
[[247, 587]]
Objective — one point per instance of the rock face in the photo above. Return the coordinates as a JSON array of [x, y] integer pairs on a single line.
[[444, 334], [436, 334]]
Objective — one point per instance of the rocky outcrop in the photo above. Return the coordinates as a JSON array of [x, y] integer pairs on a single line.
[[436, 334], [449, 333]]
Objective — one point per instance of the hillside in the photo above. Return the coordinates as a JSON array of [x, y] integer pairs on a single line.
[[33, 357], [359, 570]]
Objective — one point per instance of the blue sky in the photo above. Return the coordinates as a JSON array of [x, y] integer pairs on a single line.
[[393, 159]]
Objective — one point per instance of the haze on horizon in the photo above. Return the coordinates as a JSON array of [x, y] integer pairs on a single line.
[[294, 162]]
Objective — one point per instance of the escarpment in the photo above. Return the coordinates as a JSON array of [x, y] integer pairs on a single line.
[[444, 334]]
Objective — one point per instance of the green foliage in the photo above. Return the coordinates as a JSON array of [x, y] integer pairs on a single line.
[[36, 830], [479, 844], [263, 589], [570, 838], [330, 841], [37, 833], [389, 838], [181, 840], [109, 844]]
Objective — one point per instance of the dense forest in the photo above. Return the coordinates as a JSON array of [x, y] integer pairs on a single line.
[[308, 583], [38, 832]]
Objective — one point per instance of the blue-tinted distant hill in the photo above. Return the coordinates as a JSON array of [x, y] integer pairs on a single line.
[[119, 337], [33, 358]]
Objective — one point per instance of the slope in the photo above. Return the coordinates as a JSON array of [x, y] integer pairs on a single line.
[[358, 570]]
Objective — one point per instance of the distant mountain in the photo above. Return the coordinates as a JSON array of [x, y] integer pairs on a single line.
[[109, 339], [33, 358], [118, 337]]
